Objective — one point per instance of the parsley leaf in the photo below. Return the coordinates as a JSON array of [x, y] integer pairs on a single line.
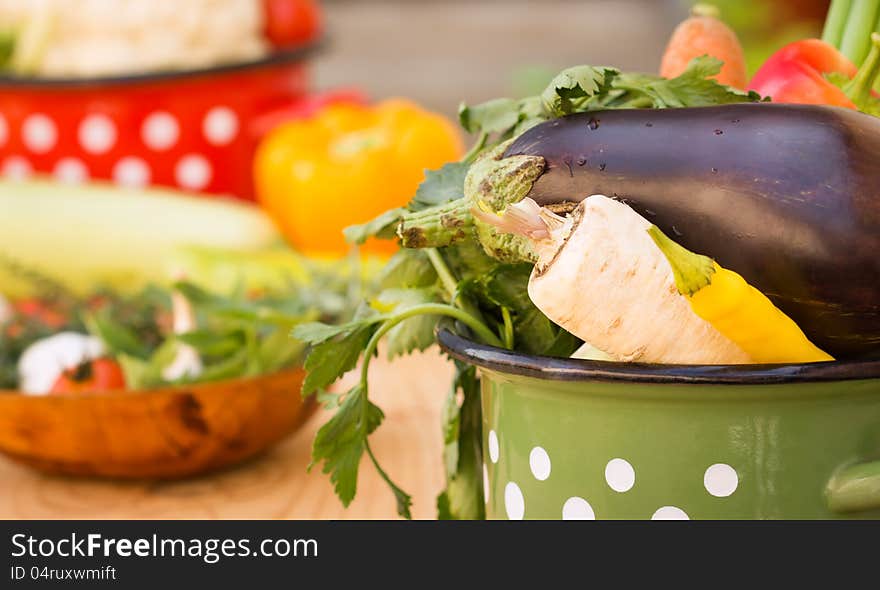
[[463, 451], [382, 227], [693, 88], [440, 186], [572, 84], [494, 116], [406, 269], [416, 333], [331, 359], [340, 443]]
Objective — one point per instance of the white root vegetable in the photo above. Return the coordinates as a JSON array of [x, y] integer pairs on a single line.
[[44, 361], [601, 277]]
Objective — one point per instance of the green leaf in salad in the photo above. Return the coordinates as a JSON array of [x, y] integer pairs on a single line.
[[117, 337]]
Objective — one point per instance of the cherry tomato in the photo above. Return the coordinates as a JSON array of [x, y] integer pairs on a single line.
[[291, 22], [99, 375]]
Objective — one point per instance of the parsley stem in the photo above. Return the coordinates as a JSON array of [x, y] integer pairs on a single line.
[[476, 149], [483, 332], [508, 328], [402, 507], [370, 351], [449, 282]]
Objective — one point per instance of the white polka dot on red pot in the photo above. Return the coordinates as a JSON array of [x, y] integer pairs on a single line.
[[39, 133], [720, 480], [131, 172], [539, 462], [220, 126], [514, 503], [97, 134], [16, 168], [160, 131], [576, 508], [193, 172], [71, 171], [670, 513]]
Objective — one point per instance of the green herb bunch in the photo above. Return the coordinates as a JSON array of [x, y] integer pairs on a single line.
[[463, 288]]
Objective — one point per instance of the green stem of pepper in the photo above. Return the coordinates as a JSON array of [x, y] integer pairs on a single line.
[[859, 88], [860, 22]]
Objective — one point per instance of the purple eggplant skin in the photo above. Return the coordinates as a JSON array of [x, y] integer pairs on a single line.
[[786, 195]]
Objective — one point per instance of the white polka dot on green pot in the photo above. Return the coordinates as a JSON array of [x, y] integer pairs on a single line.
[[539, 463], [720, 480], [514, 503]]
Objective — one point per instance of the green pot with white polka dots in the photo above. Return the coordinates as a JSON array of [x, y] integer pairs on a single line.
[[576, 439]]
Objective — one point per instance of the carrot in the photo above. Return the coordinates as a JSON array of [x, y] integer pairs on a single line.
[[704, 34]]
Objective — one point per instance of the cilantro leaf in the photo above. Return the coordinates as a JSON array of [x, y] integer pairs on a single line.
[[340, 443], [572, 84], [382, 227], [440, 186]]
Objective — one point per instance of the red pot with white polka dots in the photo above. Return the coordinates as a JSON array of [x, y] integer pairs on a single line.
[[193, 130]]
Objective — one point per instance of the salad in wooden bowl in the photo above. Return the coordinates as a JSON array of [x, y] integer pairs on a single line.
[[158, 381]]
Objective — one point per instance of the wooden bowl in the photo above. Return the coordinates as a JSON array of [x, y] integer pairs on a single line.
[[164, 433]]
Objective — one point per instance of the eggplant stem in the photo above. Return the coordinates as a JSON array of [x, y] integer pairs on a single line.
[[436, 227]]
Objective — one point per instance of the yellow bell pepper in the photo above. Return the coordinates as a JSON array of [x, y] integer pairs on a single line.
[[736, 309], [346, 165]]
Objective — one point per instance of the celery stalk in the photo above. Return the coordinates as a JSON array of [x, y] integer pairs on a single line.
[[856, 41], [835, 21]]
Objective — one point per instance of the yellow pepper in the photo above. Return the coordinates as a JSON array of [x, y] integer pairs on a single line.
[[346, 165], [736, 309]]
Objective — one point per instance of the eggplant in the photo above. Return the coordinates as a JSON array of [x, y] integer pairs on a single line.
[[786, 195]]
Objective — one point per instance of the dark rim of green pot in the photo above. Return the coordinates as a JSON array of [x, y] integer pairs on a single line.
[[567, 369]]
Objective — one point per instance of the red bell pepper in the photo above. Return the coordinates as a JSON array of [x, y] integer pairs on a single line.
[[797, 74]]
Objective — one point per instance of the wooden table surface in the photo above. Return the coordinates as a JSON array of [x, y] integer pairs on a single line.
[[276, 485]]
